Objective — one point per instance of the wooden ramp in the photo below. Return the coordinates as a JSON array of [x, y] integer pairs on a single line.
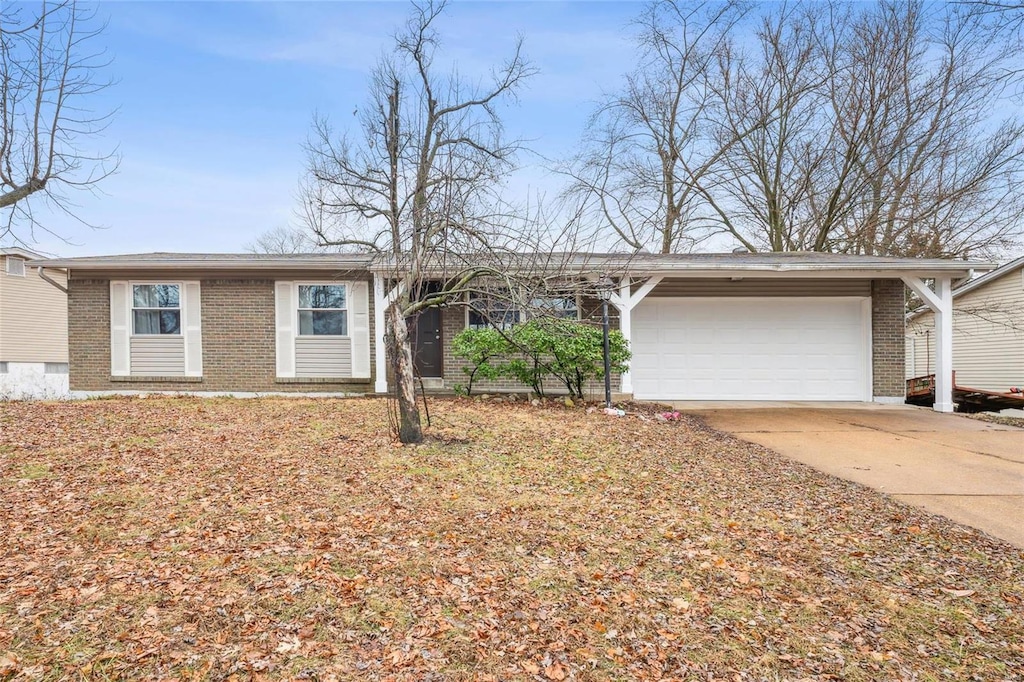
[[921, 391]]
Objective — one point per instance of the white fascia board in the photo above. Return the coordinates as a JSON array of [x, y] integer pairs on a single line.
[[823, 273]]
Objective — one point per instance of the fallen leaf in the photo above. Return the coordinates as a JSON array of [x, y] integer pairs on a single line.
[[555, 671]]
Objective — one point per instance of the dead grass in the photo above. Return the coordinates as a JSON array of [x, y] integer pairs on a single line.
[[281, 539]]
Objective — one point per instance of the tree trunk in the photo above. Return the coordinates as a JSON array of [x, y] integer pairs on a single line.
[[409, 428]]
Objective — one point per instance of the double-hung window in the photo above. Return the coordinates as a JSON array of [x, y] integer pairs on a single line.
[[155, 329], [323, 310], [156, 309], [322, 330]]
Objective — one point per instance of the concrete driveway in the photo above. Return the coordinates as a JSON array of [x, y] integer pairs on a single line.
[[966, 470]]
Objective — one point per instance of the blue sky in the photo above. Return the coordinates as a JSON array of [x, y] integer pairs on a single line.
[[215, 100]]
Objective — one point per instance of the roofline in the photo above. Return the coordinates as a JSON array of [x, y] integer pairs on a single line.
[[970, 285], [18, 251], [209, 264], [619, 265], [674, 265], [990, 276]]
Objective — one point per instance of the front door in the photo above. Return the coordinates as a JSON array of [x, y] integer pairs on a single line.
[[427, 348]]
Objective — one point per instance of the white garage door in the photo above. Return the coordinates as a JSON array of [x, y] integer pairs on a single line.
[[751, 349]]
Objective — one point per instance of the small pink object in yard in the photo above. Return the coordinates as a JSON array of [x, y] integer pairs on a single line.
[[670, 416], [613, 412]]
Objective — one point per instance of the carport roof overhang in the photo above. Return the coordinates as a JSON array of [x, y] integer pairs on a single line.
[[792, 265], [646, 265]]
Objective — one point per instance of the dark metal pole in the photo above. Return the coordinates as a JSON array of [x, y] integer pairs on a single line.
[[607, 357]]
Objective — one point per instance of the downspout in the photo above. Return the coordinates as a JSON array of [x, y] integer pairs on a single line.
[[46, 278]]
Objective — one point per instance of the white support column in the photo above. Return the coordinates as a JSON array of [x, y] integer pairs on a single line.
[[626, 328], [625, 301], [940, 301], [944, 346], [380, 384]]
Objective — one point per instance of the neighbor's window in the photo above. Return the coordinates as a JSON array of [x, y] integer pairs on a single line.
[[562, 307], [16, 266], [322, 310], [55, 368], [487, 310], [156, 309], [3, 368]]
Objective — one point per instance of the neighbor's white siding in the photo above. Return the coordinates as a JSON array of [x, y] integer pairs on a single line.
[[33, 316], [988, 337]]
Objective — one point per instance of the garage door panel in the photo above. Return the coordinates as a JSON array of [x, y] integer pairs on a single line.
[[753, 349]]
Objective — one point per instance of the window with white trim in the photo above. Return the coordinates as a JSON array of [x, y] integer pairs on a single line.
[[561, 307], [323, 310], [55, 368], [156, 309], [491, 309], [15, 266]]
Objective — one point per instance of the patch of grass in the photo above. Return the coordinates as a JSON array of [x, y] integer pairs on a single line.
[[33, 471]]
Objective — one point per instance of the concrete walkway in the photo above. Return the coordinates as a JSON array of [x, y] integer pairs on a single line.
[[964, 469]]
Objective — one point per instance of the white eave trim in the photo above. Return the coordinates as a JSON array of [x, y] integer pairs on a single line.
[[178, 264], [807, 272]]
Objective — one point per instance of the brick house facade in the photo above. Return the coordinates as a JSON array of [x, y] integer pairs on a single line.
[[234, 306], [238, 343]]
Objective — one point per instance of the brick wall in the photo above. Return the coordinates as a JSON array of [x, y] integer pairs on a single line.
[[453, 321], [89, 335], [238, 336], [887, 338]]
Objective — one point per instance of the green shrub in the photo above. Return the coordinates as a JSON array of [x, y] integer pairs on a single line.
[[480, 347], [568, 351]]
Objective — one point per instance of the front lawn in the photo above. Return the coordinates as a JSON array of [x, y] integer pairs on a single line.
[[288, 538]]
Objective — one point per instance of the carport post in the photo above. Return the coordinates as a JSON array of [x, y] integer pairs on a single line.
[[625, 301], [944, 346], [625, 323], [941, 303]]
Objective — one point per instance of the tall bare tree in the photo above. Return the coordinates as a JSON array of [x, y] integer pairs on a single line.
[[883, 128], [647, 147], [419, 183], [51, 65]]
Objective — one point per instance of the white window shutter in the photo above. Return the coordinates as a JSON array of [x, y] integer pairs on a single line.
[[359, 328], [192, 326], [285, 301], [120, 329]]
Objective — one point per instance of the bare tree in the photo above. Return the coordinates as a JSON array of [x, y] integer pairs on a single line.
[[419, 183], [880, 129], [647, 148], [284, 240], [50, 64]]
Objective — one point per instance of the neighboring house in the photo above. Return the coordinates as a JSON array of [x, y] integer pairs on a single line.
[[33, 328], [790, 326], [988, 332]]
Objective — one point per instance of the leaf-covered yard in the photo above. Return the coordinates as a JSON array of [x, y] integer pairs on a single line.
[[288, 538]]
